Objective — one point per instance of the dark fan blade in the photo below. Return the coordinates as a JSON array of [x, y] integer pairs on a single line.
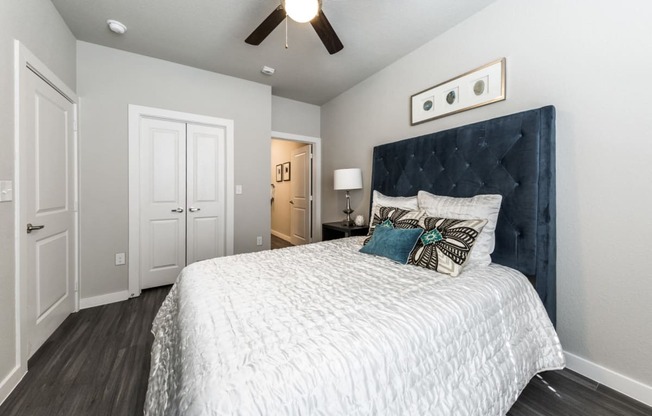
[[265, 28], [326, 33]]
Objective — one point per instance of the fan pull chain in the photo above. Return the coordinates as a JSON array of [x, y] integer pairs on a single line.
[[286, 32]]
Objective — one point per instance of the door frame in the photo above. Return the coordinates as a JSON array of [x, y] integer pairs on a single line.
[[24, 63], [136, 113], [316, 176]]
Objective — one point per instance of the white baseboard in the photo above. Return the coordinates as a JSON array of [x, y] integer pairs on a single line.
[[282, 236], [91, 302], [9, 383], [630, 387]]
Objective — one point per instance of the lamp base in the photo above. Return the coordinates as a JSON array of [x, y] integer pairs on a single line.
[[348, 222]]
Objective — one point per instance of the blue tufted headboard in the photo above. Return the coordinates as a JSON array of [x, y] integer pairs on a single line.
[[513, 156]]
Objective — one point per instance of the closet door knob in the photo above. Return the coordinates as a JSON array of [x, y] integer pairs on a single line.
[[177, 210], [193, 209]]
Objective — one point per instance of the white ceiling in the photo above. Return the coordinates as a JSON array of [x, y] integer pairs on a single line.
[[210, 34]]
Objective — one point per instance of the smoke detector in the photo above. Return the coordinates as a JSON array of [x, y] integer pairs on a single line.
[[267, 70], [116, 27]]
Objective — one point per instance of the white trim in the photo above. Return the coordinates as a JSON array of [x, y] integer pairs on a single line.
[[282, 236], [77, 286], [106, 299], [316, 176], [619, 382], [136, 112], [24, 60], [9, 383], [78, 283]]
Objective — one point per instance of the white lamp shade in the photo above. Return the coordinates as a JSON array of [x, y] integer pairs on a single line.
[[348, 179]]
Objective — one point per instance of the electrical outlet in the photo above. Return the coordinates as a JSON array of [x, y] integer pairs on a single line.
[[120, 259], [259, 241]]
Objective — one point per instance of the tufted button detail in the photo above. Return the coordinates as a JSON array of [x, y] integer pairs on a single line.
[[467, 164], [453, 185]]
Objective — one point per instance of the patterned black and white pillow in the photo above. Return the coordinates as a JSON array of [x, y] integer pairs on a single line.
[[445, 244], [393, 217]]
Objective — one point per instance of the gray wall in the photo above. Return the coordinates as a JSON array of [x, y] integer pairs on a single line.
[[39, 27], [108, 81], [592, 63], [295, 117]]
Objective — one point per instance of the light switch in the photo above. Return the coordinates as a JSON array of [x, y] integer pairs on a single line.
[[238, 189], [6, 191]]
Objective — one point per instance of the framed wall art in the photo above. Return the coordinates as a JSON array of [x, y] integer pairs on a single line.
[[286, 171], [481, 86], [279, 173]]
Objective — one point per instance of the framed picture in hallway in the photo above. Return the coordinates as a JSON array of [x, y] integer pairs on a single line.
[[279, 173], [286, 171]]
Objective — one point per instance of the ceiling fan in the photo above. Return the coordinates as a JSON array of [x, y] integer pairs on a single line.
[[300, 11]]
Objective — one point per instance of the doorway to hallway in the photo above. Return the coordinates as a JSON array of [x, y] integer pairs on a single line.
[[292, 191]]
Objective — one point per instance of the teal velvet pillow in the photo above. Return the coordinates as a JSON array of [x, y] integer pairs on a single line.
[[394, 243]]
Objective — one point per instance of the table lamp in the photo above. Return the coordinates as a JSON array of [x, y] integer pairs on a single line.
[[348, 180]]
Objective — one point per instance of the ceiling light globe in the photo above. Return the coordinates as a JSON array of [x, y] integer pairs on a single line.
[[301, 11]]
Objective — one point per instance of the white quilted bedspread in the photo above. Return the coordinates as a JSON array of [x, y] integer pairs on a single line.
[[321, 329]]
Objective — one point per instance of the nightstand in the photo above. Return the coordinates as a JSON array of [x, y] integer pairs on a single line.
[[335, 230]]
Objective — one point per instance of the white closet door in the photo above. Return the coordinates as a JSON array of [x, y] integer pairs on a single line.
[[47, 204], [163, 201], [206, 225]]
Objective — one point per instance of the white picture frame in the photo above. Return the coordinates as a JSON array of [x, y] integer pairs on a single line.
[[476, 88]]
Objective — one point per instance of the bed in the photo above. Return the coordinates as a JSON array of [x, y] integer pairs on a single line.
[[323, 329]]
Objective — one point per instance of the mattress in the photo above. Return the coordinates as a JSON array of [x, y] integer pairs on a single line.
[[322, 329]]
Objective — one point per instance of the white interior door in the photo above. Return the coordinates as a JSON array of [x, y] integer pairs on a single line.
[[162, 201], [47, 198], [205, 232], [300, 198]]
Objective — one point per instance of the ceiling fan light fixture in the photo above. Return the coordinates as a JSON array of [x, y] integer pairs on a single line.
[[301, 11]]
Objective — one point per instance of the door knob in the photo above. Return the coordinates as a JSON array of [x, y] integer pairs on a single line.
[[291, 202], [177, 210], [31, 228], [192, 209]]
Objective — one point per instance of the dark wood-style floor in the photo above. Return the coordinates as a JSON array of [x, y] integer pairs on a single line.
[[97, 363], [279, 243]]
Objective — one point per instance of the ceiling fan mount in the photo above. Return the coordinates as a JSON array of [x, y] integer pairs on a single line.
[[319, 22]]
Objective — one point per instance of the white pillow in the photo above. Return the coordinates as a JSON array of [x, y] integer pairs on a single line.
[[484, 207], [408, 203]]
